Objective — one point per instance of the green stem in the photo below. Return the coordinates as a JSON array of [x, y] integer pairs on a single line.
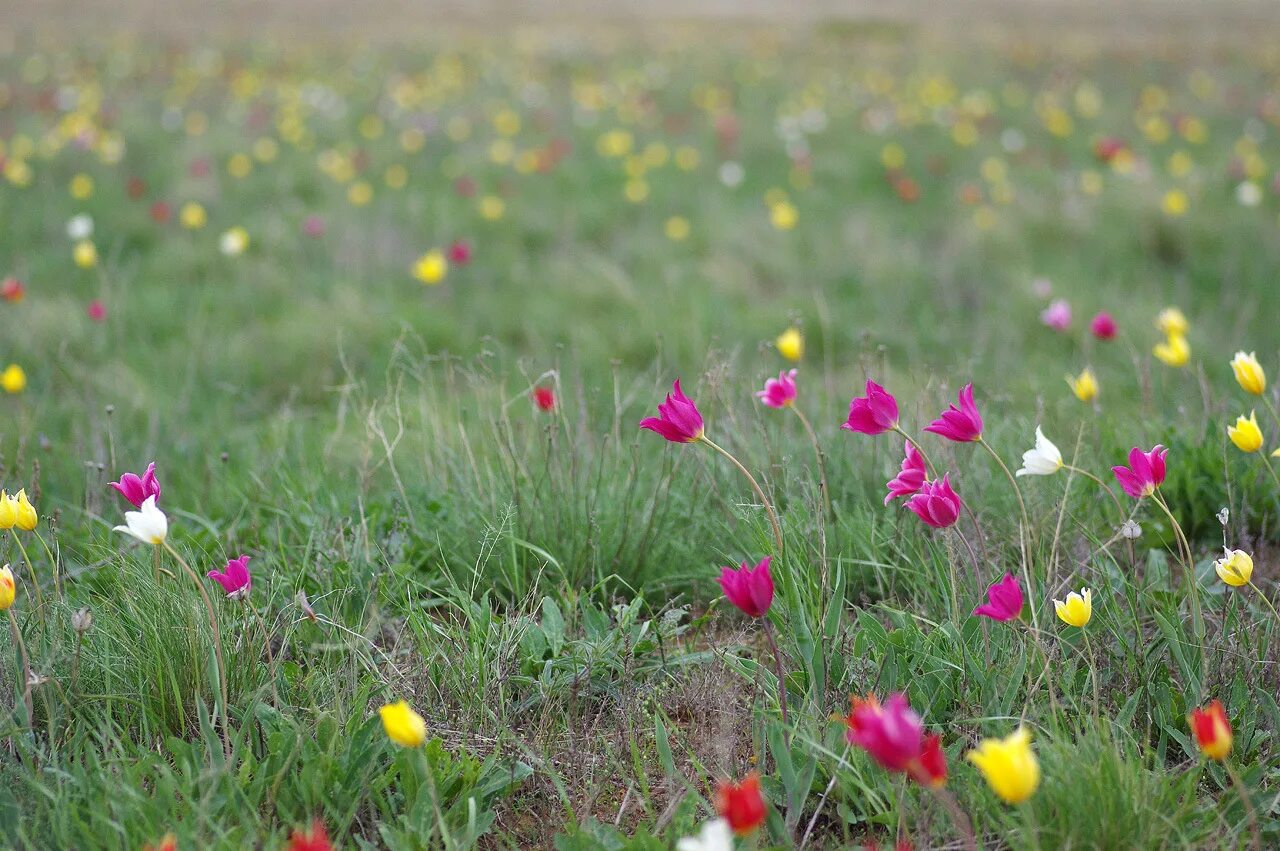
[[1023, 531], [782, 682], [1197, 617], [1266, 459], [928, 465], [57, 581], [817, 453], [217, 641], [1250, 812], [1265, 599], [35, 580], [1093, 671], [768, 506]]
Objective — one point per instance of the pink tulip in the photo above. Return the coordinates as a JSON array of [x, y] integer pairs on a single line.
[[962, 424], [97, 310], [779, 392], [313, 226], [749, 588], [1057, 315], [874, 413], [892, 733], [1145, 472], [460, 252], [936, 503], [234, 578], [136, 489], [1004, 600], [910, 478], [678, 419], [1103, 327]]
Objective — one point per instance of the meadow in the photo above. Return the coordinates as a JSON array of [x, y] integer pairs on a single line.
[[387, 319]]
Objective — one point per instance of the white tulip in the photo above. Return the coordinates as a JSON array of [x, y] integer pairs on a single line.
[[1043, 460], [148, 525], [80, 227], [715, 836]]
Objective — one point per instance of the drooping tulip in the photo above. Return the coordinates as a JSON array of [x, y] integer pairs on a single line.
[[1145, 472], [1009, 765], [402, 725], [741, 804], [874, 413], [1234, 568], [936, 503], [678, 419], [1212, 730], [148, 524], [137, 488], [779, 392], [910, 477], [234, 578], [962, 424], [749, 588], [1004, 600], [1249, 373], [1044, 459]]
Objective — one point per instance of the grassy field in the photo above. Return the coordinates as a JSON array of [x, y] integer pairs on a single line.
[[386, 319]]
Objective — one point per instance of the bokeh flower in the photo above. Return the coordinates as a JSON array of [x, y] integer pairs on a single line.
[[1172, 322], [544, 398], [1009, 765], [716, 835], [1103, 326], [315, 839], [741, 804], [431, 267], [1084, 385], [1212, 730], [402, 725], [779, 392], [1173, 351], [893, 735], [790, 344], [1057, 315], [14, 379]]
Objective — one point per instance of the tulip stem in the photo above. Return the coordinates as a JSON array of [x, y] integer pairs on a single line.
[[57, 581], [1100, 483], [928, 465], [1250, 812], [155, 564], [1266, 400], [817, 452], [1093, 670], [26, 662], [768, 506], [1023, 530], [1271, 468], [958, 816], [35, 580], [782, 682], [217, 640], [1189, 560], [1265, 599]]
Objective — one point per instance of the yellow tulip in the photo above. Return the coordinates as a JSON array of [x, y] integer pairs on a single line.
[[1175, 351], [1249, 373], [85, 254], [1245, 434], [1172, 323], [783, 215], [192, 216], [431, 267], [404, 726], [7, 590], [1009, 765], [1085, 385], [1077, 609], [13, 379], [8, 511], [790, 344], [1234, 568], [27, 517]]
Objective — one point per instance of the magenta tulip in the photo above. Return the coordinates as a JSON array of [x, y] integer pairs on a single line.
[[962, 424], [1145, 472], [234, 578], [678, 419], [936, 503], [874, 413], [749, 588], [1103, 326], [1004, 600], [136, 488], [779, 392], [910, 478]]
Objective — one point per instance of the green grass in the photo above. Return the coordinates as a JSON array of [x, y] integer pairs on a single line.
[[541, 585]]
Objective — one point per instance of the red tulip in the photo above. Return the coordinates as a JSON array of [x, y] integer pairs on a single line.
[[741, 805], [544, 398], [314, 840], [1212, 730], [12, 290]]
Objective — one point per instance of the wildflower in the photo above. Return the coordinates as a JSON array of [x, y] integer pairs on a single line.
[[1009, 765], [716, 835], [8, 511], [1131, 530], [1249, 373], [1145, 472], [1175, 351], [313, 226], [678, 419], [783, 215], [80, 227], [749, 588], [544, 398], [741, 804], [25, 517], [96, 311], [192, 216], [13, 379], [962, 424], [460, 252], [168, 843], [234, 578], [1077, 609], [790, 344], [893, 735], [1103, 326], [1004, 600], [1234, 568], [1042, 460], [136, 489], [1172, 323], [874, 413], [85, 254], [431, 267], [910, 477], [779, 392], [1212, 730], [316, 839], [233, 242], [1057, 315], [82, 620], [12, 290], [404, 726], [7, 589], [1246, 434], [148, 524], [1084, 385], [936, 503]]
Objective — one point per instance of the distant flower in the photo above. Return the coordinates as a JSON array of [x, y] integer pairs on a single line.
[[910, 477], [1245, 434], [80, 227], [893, 735], [1234, 568], [1076, 609], [14, 379], [1172, 322], [783, 215], [460, 252], [8, 591], [148, 524], [962, 424], [1004, 600], [779, 392], [1057, 315], [1009, 766], [1174, 351], [161, 212], [790, 344], [716, 835], [936, 503], [85, 254], [1145, 472], [234, 578], [741, 805], [168, 842], [192, 216], [313, 226], [233, 242], [678, 418], [1084, 385], [137, 488], [874, 413], [1103, 326], [97, 311], [544, 398], [1042, 287], [1043, 459], [316, 839], [749, 588], [403, 726], [12, 290], [1249, 373], [1212, 730], [431, 267]]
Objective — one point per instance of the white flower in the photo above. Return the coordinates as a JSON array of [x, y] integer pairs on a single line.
[[234, 242], [731, 173], [80, 227], [1248, 194], [1044, 460], [1131, 530], [715, 836], [148, 525]]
